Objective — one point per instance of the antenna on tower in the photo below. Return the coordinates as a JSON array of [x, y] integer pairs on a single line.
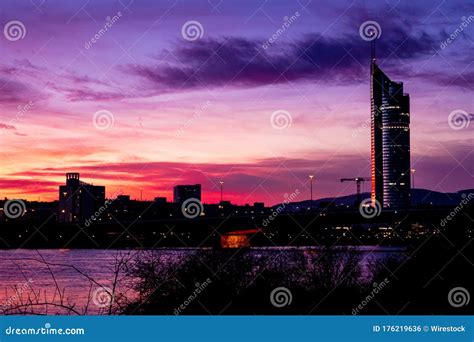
[[372, 51], [372, 56]]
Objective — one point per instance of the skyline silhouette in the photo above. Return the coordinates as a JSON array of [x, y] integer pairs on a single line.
[[144, 105]]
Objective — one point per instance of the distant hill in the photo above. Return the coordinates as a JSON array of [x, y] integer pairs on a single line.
[[419, 197]]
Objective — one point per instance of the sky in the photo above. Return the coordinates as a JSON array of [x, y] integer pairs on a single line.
[[144, 95]]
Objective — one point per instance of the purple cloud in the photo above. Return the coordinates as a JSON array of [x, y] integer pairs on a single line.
[[240, 62], [5, 126]]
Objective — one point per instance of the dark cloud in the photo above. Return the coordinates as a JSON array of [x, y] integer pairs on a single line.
[[240, 62], [462, 80], [12, 91], [83, 79], [28, 186], [5, 126], [12, 129], [86, 94], [15, 82]]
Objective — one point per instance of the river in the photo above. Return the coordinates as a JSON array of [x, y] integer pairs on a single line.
[[23, 270]]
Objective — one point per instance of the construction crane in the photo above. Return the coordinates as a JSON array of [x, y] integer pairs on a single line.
[[358, 181]]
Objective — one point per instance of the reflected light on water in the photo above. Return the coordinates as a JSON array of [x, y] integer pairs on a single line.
[[235, 241]]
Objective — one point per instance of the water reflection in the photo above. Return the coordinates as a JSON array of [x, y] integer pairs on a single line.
[[284, 262], [238, 238]]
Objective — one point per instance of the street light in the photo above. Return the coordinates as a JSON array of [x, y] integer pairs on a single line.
[[311, 185], [222, 187], [412, 178]]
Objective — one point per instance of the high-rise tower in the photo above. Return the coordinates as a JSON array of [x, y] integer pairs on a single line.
[[390, 140]]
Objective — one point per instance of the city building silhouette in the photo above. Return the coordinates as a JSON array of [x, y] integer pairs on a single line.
[[78, 200], [183, 192]]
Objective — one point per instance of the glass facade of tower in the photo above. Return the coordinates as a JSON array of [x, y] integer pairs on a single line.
[[390, 140], [378, 82], [396, 147]]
